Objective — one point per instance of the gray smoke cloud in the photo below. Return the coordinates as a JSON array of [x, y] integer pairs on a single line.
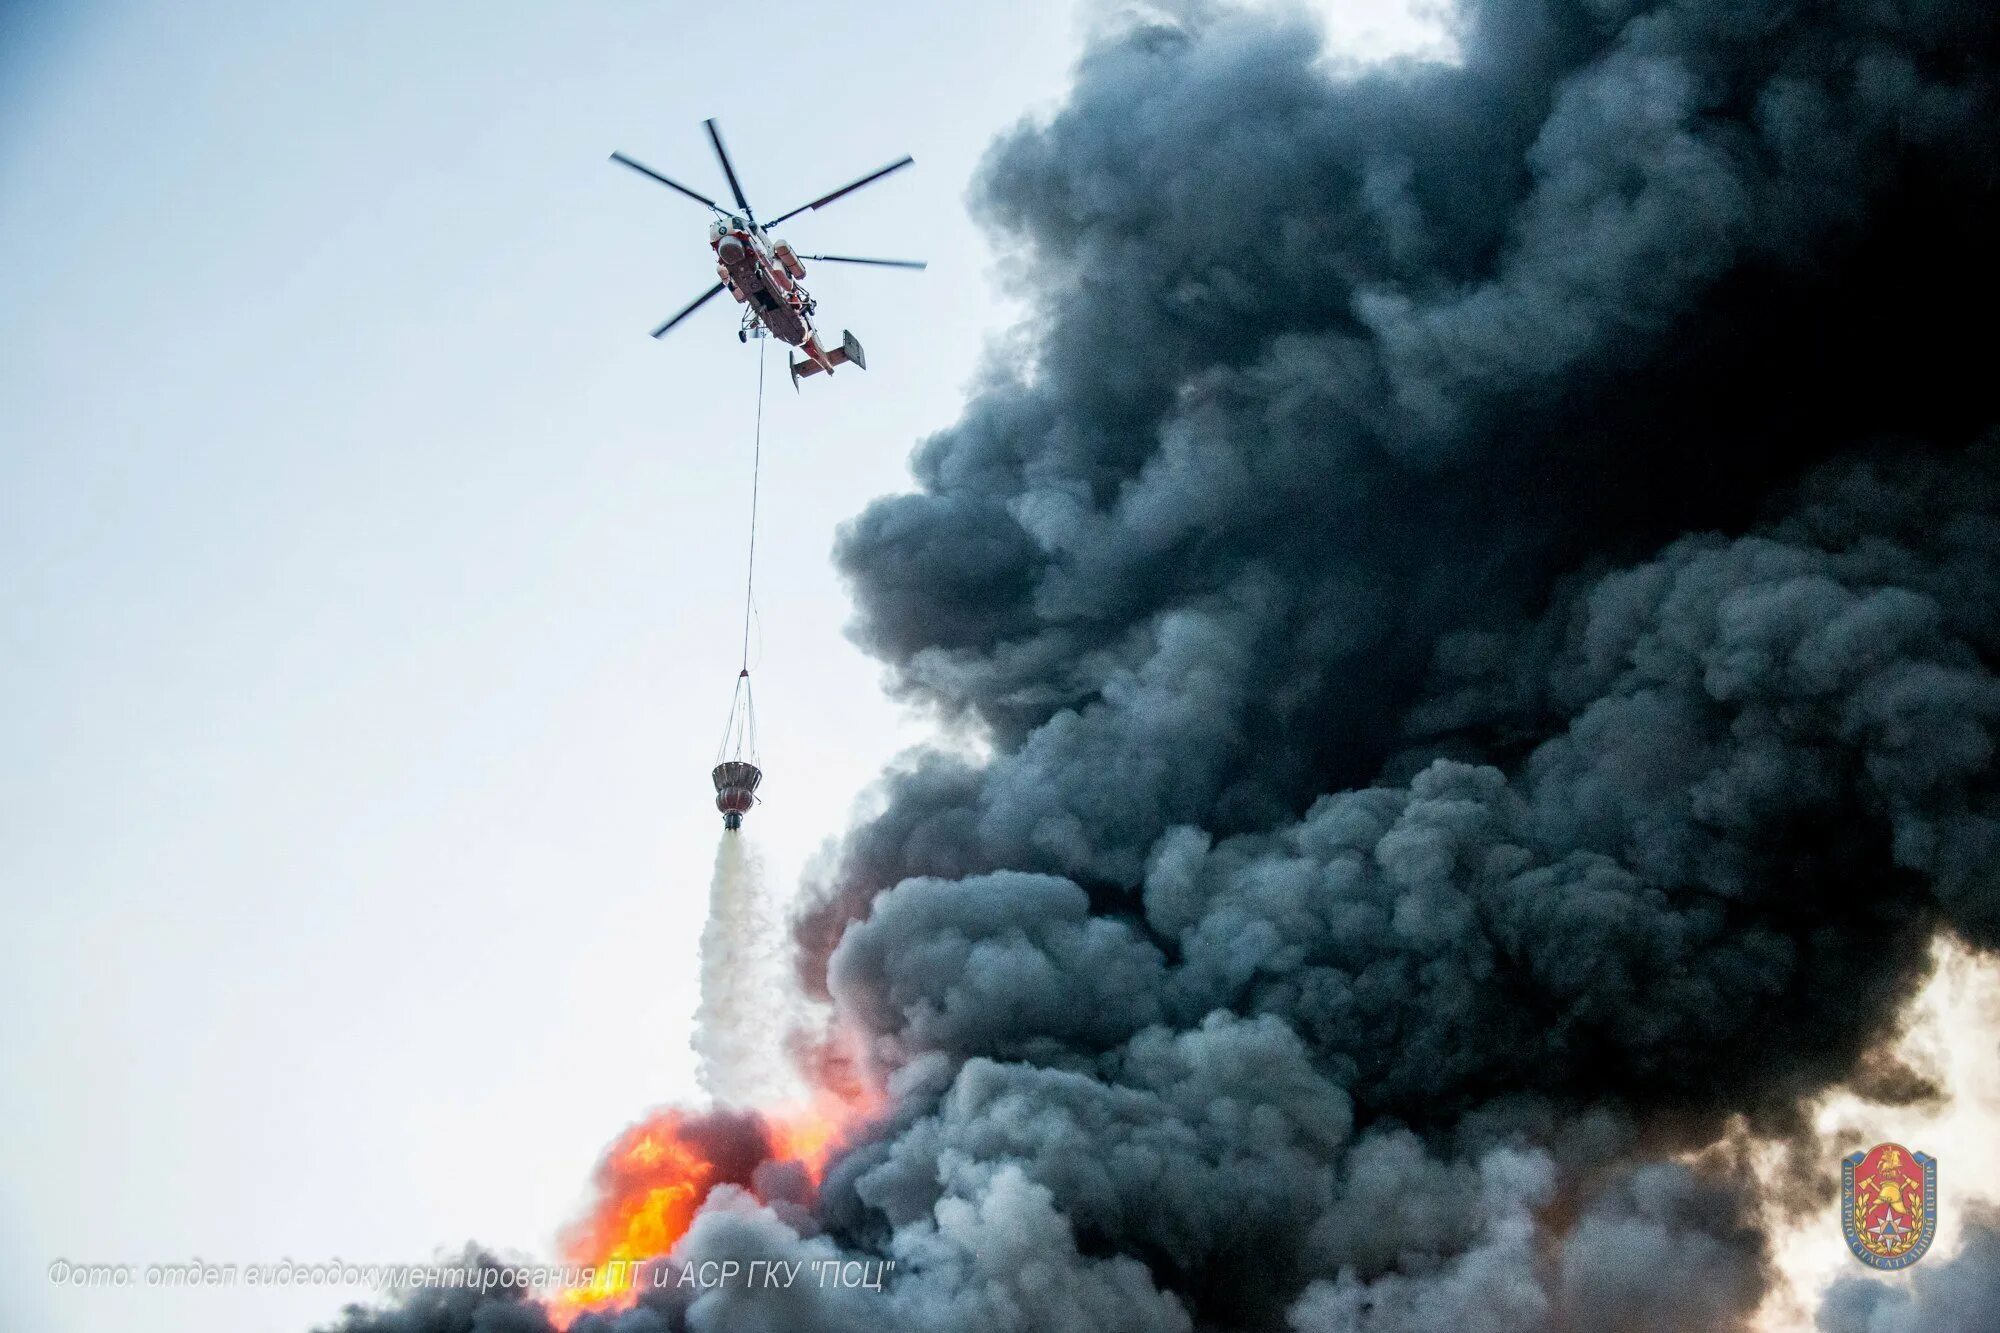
[[1483, 594], [1962, 1292]]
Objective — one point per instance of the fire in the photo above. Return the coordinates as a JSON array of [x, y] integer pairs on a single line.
[[649, 1183], [810, 1135], [655, 1176]]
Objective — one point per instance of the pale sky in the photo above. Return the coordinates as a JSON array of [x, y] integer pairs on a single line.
[[371, 584]]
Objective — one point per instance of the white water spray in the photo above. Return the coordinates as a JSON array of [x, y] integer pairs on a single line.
[[746, 1009]]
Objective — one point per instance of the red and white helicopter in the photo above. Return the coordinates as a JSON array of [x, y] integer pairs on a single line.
[[763, 274]]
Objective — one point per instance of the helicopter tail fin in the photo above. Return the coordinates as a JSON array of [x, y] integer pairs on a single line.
[[848, 353]]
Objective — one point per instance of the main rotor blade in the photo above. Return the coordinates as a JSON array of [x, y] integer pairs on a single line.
[[826, 199], [715, 137], [667, 181], [851, 259], [689, 309]]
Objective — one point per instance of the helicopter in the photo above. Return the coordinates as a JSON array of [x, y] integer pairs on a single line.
[[764, 274]]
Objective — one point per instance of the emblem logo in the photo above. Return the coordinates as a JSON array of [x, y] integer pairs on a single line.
[[1888, 1205]]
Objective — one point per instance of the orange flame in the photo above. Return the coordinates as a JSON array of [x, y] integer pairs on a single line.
[[655, 1177]]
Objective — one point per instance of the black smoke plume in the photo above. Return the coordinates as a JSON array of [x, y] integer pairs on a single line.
[[1482, 594]]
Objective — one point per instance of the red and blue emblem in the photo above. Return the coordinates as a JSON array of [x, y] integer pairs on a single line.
[[1888, 1205]]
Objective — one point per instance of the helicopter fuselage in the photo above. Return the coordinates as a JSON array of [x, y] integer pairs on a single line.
[[763, 276]]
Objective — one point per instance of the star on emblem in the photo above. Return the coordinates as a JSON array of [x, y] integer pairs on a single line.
[[1887, 1232]]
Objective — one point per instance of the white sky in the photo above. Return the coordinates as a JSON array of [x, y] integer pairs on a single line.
[[371, 584]]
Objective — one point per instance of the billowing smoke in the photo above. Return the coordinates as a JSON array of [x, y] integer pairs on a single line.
[[1962, 1294], [1483, 593], [745, 1011]]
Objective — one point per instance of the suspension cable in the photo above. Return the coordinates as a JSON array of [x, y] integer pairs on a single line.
[[756, 467]]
